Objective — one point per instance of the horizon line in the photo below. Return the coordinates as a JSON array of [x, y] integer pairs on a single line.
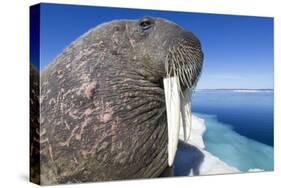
[[234, 89]]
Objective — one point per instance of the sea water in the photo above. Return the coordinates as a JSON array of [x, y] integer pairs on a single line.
[[239, 126]]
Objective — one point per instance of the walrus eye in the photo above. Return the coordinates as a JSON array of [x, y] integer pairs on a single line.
[[145, 23]]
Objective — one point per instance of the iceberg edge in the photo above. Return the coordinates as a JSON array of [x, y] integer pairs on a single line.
[[210, 164]]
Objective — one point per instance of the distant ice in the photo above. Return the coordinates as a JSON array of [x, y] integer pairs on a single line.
[[251, 90], [237, 90]]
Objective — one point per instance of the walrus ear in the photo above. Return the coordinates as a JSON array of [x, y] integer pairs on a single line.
[[172, 99]]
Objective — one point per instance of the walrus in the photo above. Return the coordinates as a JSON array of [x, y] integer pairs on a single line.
[[106, 101]]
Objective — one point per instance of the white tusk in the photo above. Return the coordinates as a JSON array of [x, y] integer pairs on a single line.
[[172, 99], [185, 107]]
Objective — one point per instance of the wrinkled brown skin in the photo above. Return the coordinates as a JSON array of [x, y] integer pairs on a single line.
[[103, 106], [34, 126]]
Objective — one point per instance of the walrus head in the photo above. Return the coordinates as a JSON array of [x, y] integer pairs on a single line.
[[163, 48], [166, 54], [107, 99]]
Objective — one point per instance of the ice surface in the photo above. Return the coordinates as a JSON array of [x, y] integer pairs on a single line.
[[214, 148], [193, 159]]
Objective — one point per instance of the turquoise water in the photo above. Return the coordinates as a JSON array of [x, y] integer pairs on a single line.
[[239, 126], [236, 150]]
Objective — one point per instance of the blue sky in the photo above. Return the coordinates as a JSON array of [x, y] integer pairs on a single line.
[[238, 50]]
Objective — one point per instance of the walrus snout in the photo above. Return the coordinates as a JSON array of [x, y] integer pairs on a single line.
[[184, 57]]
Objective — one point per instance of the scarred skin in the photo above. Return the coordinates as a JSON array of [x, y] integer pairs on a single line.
[[34, 126], [102, 103]]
